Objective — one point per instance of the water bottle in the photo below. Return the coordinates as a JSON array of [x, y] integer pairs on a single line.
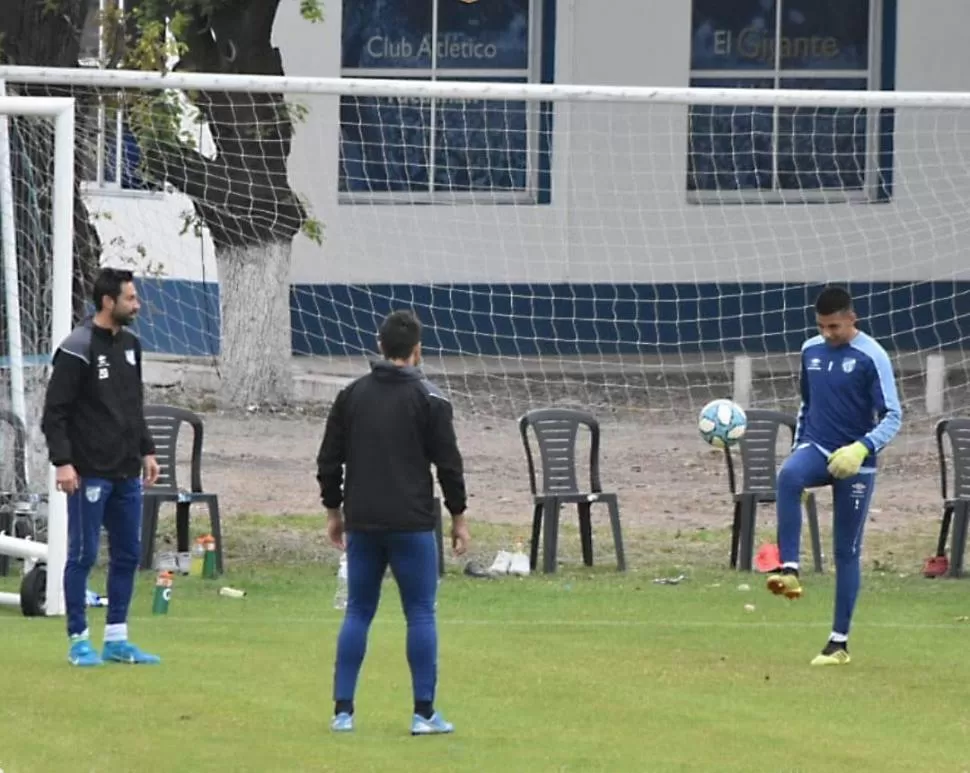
[[198, 557], [163, 593], [209, 570], [340, 597], [92, 599]]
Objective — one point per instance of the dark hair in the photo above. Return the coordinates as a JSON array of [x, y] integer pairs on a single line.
[[400, 333], [109, 283], [833, 300]]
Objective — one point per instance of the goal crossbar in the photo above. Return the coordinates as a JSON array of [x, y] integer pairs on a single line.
[[526, 92]]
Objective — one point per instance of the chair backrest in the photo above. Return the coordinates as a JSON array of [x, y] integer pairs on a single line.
[[556, 431], [164, 423], [958, 431], [759, 457], [19, 450]]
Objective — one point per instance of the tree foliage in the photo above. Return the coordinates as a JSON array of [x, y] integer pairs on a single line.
[[242, 194], [240, 191], [43, 33]]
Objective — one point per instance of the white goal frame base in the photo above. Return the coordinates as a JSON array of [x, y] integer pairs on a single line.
[[60, 110]]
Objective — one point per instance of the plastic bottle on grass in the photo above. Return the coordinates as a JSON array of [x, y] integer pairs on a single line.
[[198, 557], [340, 597]]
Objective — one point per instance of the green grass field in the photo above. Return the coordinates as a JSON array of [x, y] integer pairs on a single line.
[[586, 670]]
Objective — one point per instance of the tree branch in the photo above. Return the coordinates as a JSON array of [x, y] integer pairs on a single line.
[[244, 194]]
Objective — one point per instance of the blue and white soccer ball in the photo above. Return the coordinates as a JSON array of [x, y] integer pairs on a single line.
[[722, 423]]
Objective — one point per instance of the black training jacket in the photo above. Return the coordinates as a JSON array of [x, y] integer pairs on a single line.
[[94, 409], [384, 432]]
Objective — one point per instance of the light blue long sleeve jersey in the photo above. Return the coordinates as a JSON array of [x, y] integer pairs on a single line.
[[848, 394]]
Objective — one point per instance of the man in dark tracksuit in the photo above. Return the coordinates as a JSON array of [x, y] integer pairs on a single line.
[[385, 430], [99, 442]]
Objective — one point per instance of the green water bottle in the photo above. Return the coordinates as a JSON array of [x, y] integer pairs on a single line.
[[209, 561], [163, 593]]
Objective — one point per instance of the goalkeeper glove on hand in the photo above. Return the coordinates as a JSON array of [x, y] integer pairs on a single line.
[[846, 461]]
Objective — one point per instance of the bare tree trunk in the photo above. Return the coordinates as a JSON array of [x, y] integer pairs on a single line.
[[44, 33], [254, 298]]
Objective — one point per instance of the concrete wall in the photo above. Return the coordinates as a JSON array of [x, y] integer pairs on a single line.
[[620, 259]]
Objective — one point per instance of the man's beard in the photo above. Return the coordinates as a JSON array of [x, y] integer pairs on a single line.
[[123, 319]]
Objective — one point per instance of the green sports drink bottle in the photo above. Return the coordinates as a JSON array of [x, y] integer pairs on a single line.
[[209, 561], [163, 593]]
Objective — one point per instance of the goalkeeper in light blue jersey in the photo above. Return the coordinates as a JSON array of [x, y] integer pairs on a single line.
[[849, 412]]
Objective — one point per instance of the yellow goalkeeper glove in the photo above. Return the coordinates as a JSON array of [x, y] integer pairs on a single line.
[[846, 461]]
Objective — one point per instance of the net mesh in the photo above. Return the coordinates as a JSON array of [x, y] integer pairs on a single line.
[[615, 255], [25, 318]]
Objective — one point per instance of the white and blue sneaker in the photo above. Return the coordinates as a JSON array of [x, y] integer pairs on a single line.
[[436, 725], [342, 723], [126, 652], [83, 655]]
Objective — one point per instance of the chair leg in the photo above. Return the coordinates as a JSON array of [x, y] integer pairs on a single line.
[[6, 526], [735, 534], [944, 530], [149, 526], [812, 512], [961, 514], [749, 506], [586, 531], [614, 506], [439, 536], [536, 534], [182, 527], [215, 525], [550, 542]]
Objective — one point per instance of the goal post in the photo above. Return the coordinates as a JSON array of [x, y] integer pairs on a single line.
[[642, 248], [24, 357]]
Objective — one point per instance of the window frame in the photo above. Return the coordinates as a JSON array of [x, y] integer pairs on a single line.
[[876, 186], [99, 185], [538, 119]]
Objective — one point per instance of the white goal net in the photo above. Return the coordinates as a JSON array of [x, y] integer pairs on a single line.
[[616, 248]]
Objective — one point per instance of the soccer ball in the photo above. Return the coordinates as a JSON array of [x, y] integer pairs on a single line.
[[722, 423]]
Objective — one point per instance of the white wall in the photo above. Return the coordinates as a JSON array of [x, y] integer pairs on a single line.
[[619, 210]]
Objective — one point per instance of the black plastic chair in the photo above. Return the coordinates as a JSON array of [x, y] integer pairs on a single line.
[[9, 499], [164, 423], [759, 481], [956, 502], [556, 431]]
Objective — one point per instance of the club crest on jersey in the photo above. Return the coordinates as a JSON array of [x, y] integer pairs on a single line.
[[92, 494], [130, 356], [848, 365]]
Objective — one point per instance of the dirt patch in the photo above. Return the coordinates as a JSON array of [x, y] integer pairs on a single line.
[[651, 454]]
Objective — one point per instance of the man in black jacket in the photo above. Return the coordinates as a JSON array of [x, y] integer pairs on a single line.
[[99, 443], [384, 432]]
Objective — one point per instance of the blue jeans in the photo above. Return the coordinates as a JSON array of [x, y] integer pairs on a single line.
[[413, 558], [115, 505]]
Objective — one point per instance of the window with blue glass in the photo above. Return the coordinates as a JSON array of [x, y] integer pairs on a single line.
[[422, 149], [109, 154], [781, 153]]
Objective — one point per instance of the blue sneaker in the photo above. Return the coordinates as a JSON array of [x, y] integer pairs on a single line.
[[342, 723], [126, 652], [83, 655], [434, 726]]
